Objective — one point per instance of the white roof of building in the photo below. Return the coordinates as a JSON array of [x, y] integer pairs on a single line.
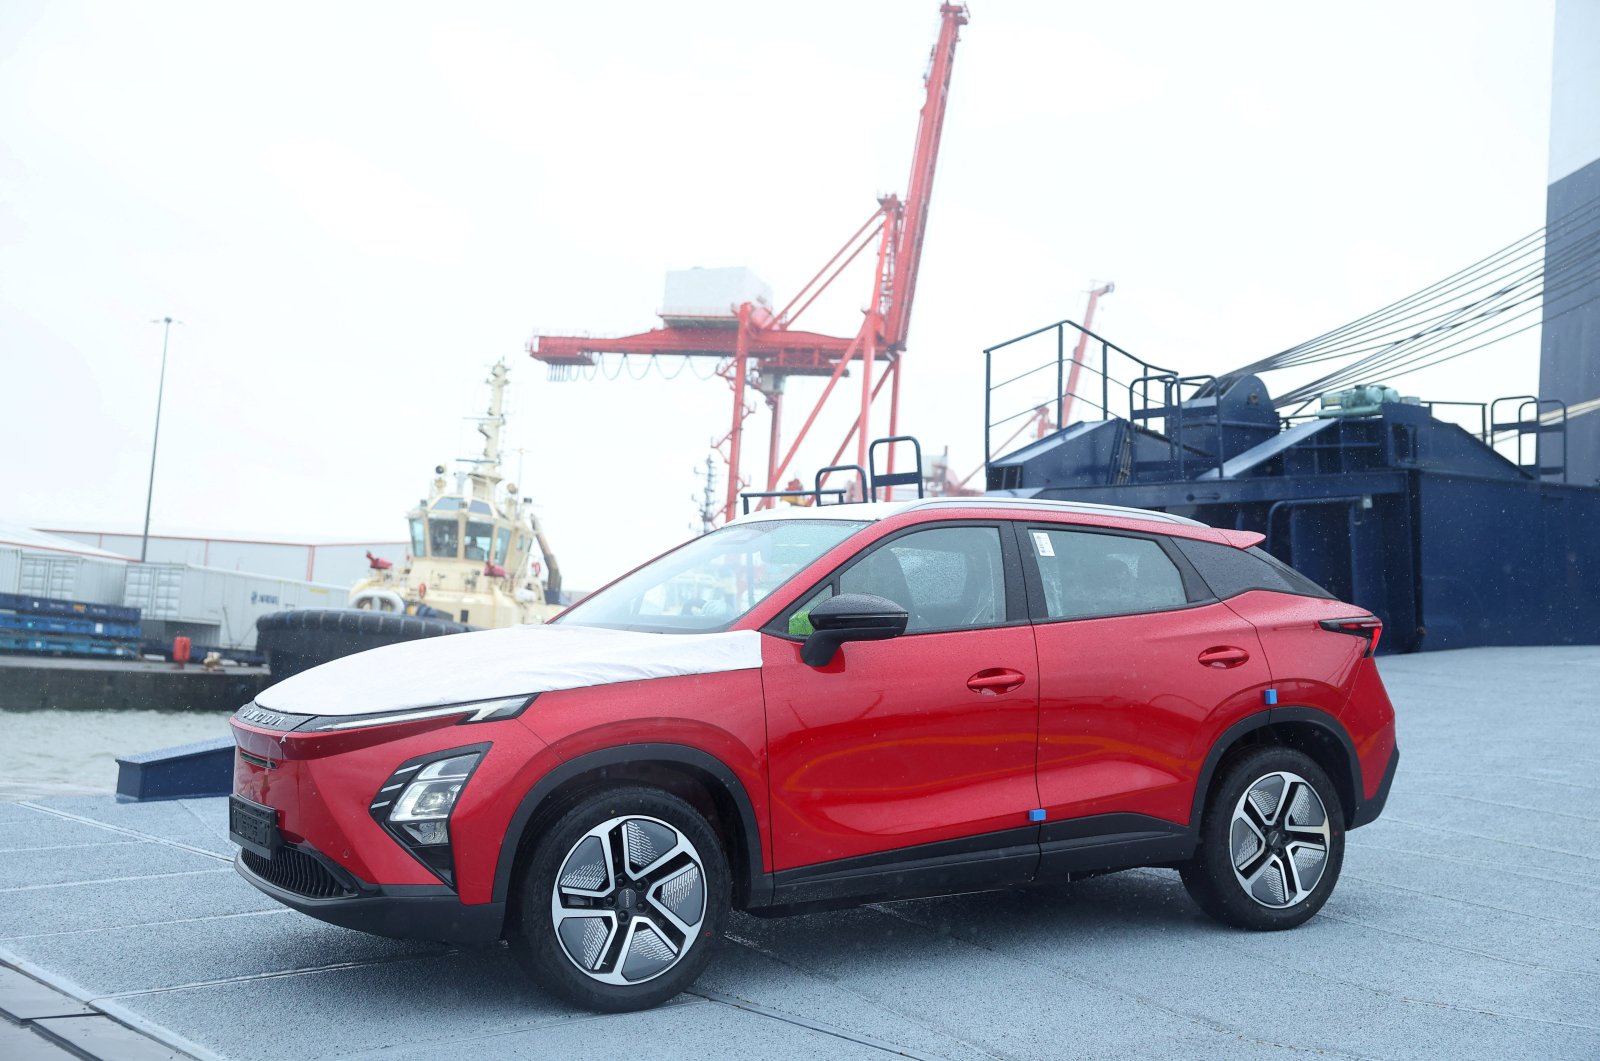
[[16, 536]]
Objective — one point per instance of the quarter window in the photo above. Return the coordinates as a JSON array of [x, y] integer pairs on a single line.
[[1086, 574], [946, 578]]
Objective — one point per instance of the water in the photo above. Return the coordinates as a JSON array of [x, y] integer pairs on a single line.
[[65, 753]]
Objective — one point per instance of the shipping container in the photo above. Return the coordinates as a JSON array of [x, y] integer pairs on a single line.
[[10, 569], [226, 603], [63, 576]]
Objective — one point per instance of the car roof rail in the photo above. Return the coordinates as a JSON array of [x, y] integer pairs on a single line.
[[1086, 508]]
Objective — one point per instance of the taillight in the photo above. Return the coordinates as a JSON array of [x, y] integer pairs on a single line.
[[1367, 626]]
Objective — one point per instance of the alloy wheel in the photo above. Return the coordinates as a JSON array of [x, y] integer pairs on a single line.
[[629, 900], [1278, 839]]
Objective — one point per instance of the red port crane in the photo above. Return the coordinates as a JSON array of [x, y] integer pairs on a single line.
[[761, 349]]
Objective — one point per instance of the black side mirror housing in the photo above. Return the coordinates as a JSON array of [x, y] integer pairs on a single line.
[[850, 617]]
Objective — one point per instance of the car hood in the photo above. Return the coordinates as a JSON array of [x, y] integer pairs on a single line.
[[488, 664]]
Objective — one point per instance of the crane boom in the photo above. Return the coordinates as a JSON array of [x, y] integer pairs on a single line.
[[759, 350], [914, 218]]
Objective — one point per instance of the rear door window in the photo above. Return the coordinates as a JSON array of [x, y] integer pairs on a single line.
[[1087, 573]]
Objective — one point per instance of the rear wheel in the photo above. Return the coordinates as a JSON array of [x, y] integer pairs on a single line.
[[623, 900], [1271, 841]]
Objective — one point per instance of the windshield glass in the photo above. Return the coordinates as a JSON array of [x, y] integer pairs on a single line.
[[711, 582]]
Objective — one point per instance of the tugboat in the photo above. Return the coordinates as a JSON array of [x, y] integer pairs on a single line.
[[471, 566]]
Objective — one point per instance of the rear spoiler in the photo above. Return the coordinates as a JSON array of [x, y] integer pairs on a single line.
[[1241, 539]]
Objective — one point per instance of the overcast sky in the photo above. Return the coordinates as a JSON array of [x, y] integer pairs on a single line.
[[356, 208]]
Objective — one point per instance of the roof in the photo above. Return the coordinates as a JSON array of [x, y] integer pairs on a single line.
[[13, 535]]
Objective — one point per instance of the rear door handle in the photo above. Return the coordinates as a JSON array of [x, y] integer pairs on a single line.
[[996, 680], [1223, 656]]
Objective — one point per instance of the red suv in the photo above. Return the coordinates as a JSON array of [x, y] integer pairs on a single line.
[[828, 706]]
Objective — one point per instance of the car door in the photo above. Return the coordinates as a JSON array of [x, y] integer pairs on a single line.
[[1140, 667], [924, 739]]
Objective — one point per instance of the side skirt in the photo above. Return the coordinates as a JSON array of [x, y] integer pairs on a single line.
[[1105, 842], [1056, 852]]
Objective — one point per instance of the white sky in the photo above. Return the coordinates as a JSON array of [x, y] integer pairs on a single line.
[[356, 208]]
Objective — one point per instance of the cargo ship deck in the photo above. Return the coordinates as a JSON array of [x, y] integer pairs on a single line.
[[1465, 924]]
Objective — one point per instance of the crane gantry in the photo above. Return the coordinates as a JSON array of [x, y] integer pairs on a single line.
[[759, 349]]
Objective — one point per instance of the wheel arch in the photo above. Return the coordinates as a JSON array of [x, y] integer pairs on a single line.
[[1306, 729], [703, 780]]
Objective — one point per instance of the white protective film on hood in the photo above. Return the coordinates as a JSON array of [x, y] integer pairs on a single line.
[[486, 664]]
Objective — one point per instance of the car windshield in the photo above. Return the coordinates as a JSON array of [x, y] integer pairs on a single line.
[[711, 582]]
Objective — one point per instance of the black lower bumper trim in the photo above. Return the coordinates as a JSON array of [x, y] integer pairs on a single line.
[[404, 911], [1369, 809]]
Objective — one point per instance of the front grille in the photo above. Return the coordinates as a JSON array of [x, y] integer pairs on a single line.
[[297, 872]]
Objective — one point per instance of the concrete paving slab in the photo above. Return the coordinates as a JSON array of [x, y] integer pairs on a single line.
[[159, 957], [744, 973], [201, 823], [45, 830], [40, 867], [101, 1037], [19, 1043], [131, 901], [1466, 926], [22, 998], [676, 1031], [16, 812], [379, 1006]]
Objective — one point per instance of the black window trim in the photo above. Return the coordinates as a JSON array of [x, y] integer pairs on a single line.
[[1194, 587], [1283, 567], [1012, 569]]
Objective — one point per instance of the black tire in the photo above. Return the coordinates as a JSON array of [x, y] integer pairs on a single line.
[[298, 640], [1267, 858], [617, 959]]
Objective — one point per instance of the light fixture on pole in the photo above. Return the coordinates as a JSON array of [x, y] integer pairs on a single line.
[[166, 331]]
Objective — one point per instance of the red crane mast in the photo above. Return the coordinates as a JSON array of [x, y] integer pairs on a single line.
[[754, 342]]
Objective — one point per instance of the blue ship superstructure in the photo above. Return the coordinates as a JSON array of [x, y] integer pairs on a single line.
[[1454, 535]]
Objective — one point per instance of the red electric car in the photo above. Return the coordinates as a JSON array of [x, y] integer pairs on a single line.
[[827, 706]]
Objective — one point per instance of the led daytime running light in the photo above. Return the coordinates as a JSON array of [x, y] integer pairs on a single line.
[[475, 710]]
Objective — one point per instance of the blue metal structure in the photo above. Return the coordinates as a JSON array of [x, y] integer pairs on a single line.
[[188, 771], [1455, 536]]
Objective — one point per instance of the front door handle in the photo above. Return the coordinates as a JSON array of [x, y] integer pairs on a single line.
[[1223, 656], [996, 680]]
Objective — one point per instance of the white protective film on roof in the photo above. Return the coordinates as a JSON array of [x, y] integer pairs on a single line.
[[497, 663]]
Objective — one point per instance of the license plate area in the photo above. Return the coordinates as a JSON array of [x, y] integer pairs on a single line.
[[253, 826]]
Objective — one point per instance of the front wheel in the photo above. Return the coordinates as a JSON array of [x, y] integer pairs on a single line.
[[623, 900], [1271, 842]]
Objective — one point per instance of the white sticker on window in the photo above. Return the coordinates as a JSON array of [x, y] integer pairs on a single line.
[[1041, 542]]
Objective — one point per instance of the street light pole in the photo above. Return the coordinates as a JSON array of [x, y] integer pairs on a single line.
[[166, 331]]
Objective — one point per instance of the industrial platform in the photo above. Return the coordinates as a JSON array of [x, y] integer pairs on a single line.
[[1467, 924]]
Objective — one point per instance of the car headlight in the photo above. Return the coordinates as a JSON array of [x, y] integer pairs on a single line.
[[415, 803]]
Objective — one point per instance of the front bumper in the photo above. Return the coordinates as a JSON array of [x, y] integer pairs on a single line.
[[401, 911]]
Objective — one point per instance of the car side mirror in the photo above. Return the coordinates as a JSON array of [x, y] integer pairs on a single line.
[[850, 617]]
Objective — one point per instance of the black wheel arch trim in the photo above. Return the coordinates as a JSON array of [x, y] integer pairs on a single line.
[[759, 884], [1354, 815]]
